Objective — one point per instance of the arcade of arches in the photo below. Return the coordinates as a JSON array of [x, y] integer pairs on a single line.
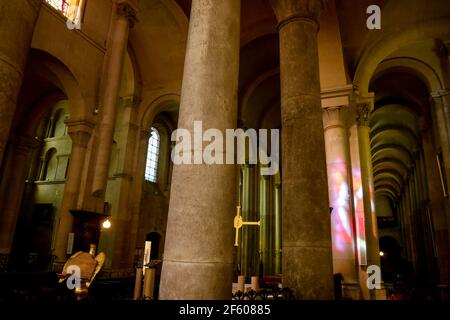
[[87, 115]]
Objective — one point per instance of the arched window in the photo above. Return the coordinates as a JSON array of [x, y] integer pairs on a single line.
[[71, 9], [151, 168], [50, 165]]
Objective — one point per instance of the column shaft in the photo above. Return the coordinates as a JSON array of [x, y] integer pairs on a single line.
[[123, 244], [249, 244], [15, 174], [17, 23], [340, 194], [126, 16], [307, 256], [265, 229], [198, 252], [371, 229], [437, 208], [278, 223], [358, 203], [80, 133]]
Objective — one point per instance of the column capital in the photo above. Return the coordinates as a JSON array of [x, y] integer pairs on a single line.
[[288, 11], [80, 131], [363, 106], [335, 117], [127, 9], [362, 114]]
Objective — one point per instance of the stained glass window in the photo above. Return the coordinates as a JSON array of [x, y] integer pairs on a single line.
[[69, 8], [151, 168], [61, 5]]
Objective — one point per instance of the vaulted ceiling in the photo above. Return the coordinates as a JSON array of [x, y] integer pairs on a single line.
[[401, 107]]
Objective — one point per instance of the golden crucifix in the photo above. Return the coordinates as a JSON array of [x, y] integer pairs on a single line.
[[238, 223]]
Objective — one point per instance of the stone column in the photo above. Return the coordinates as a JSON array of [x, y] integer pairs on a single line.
[[16, 170], [249, 247], [363, 108], [407, 219], [125, 18], [17, 23], [253, 215], [307, 256], [278, 223], [123, 244], [412, 222], [80, 132], [373, 249], [437, 207], [441, 101], [401, 215], [265, 229], [340, 194], [245, 203], [441, 120], [198, 252], [358, 202]]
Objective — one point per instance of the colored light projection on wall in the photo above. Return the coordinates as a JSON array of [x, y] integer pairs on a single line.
[[341, 217], [359, 217]]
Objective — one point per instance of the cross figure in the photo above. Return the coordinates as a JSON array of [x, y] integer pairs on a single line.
[[238, 223]]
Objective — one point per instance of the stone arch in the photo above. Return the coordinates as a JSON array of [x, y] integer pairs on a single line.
[[162, 103], [376, 53], [417, 67], [63, 79]]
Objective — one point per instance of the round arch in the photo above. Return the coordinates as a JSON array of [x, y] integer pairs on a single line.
[[372, 57], [59, 75], [164, 102], [416, 67]]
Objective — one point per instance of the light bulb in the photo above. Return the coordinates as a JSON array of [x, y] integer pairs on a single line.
[[381, 253], [106, 224]]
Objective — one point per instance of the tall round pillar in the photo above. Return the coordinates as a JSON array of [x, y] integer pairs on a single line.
[[307, 256], [17, 21], [277, 222], [16, 170], [125, 18], [198, 254], [371, 228], [340, 195], [248, 234], [80, 133], [265, 229]]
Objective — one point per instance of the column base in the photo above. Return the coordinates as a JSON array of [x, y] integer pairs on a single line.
[[196, 281], [308, 272]]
